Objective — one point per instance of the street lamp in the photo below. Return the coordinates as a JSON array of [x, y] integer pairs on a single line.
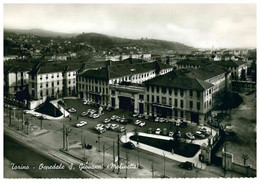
[[27, 123]]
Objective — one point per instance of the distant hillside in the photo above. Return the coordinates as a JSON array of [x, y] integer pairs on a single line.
[[105, 41], [41, 33], [102, 40]]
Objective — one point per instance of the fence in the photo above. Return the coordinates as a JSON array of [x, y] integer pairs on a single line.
[[15, 102], [228, 164]]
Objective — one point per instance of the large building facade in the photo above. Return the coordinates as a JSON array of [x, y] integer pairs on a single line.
[[178, 97], [15, 79], [51, 82], [119, 86]]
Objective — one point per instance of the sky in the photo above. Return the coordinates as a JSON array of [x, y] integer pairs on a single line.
[[196, 25]]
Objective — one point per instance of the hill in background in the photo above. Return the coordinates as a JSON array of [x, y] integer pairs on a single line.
[[100, 41]]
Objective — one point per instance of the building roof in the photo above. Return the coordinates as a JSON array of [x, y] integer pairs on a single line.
[[194, 62], [98, 73], [172, 80], [116, 71], [229, 63], [202, 73], [42, 68]]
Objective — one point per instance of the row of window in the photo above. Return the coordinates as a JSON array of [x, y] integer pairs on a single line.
[[53, 83], [92, 81], [93, 88], [164, 102], [164, 91], [134, 77]]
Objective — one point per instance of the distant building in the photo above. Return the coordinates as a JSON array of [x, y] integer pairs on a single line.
[[6, 58], [235, 67]]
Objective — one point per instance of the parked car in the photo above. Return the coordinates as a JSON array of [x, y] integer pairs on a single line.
[[107, 126], [137, 122], [95, 116], [114, 117], [118, 119], [189, 135], [165, 131], [72, 110], [203, 129], [135, 115], [121, 129], [171, 134], [178, 122], [85, 102], [158, 131], [129, 145], [101, 130], [122, 120], [98, 126], [142, 124], [93, 111], [187, 165], [161, 120], [140, 115], [107, 120], [109, 109], [178, 135], [84, 114], [81, 123], [150, 130], [156, 119], [114, 126], [199, 134]]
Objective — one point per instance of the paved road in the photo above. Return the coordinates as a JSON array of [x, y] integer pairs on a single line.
[[20, 155], [146, 158]]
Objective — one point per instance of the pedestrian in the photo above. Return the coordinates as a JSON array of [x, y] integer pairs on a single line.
[[77, 117], [70, 118]]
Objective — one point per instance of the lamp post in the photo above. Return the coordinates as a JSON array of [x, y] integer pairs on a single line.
[[27, 127], [164, 165]]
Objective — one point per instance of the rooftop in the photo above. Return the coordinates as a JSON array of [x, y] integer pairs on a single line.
[[116, 71], [172, 80], [194, 62]]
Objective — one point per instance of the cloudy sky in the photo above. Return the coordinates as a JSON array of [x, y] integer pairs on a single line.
[[226, 25]]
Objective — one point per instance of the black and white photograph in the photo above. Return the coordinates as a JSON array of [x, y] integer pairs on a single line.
[[129, 91]]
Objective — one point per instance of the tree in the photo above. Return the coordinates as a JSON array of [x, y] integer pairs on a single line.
[[227, 100], [245, 157], [243, 74], [66, 132]]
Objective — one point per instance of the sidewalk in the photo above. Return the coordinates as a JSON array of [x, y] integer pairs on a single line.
[[50, 143]]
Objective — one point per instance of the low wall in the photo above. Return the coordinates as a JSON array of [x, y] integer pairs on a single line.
[[15, 102], [227, 162], [246, 170]]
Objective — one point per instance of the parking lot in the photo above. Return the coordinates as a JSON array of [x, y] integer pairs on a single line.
[[80, 107]]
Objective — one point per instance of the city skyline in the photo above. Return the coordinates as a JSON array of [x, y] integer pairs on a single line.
[[225, 25]]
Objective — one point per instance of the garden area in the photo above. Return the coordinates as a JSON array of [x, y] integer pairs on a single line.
[[180, 148]]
